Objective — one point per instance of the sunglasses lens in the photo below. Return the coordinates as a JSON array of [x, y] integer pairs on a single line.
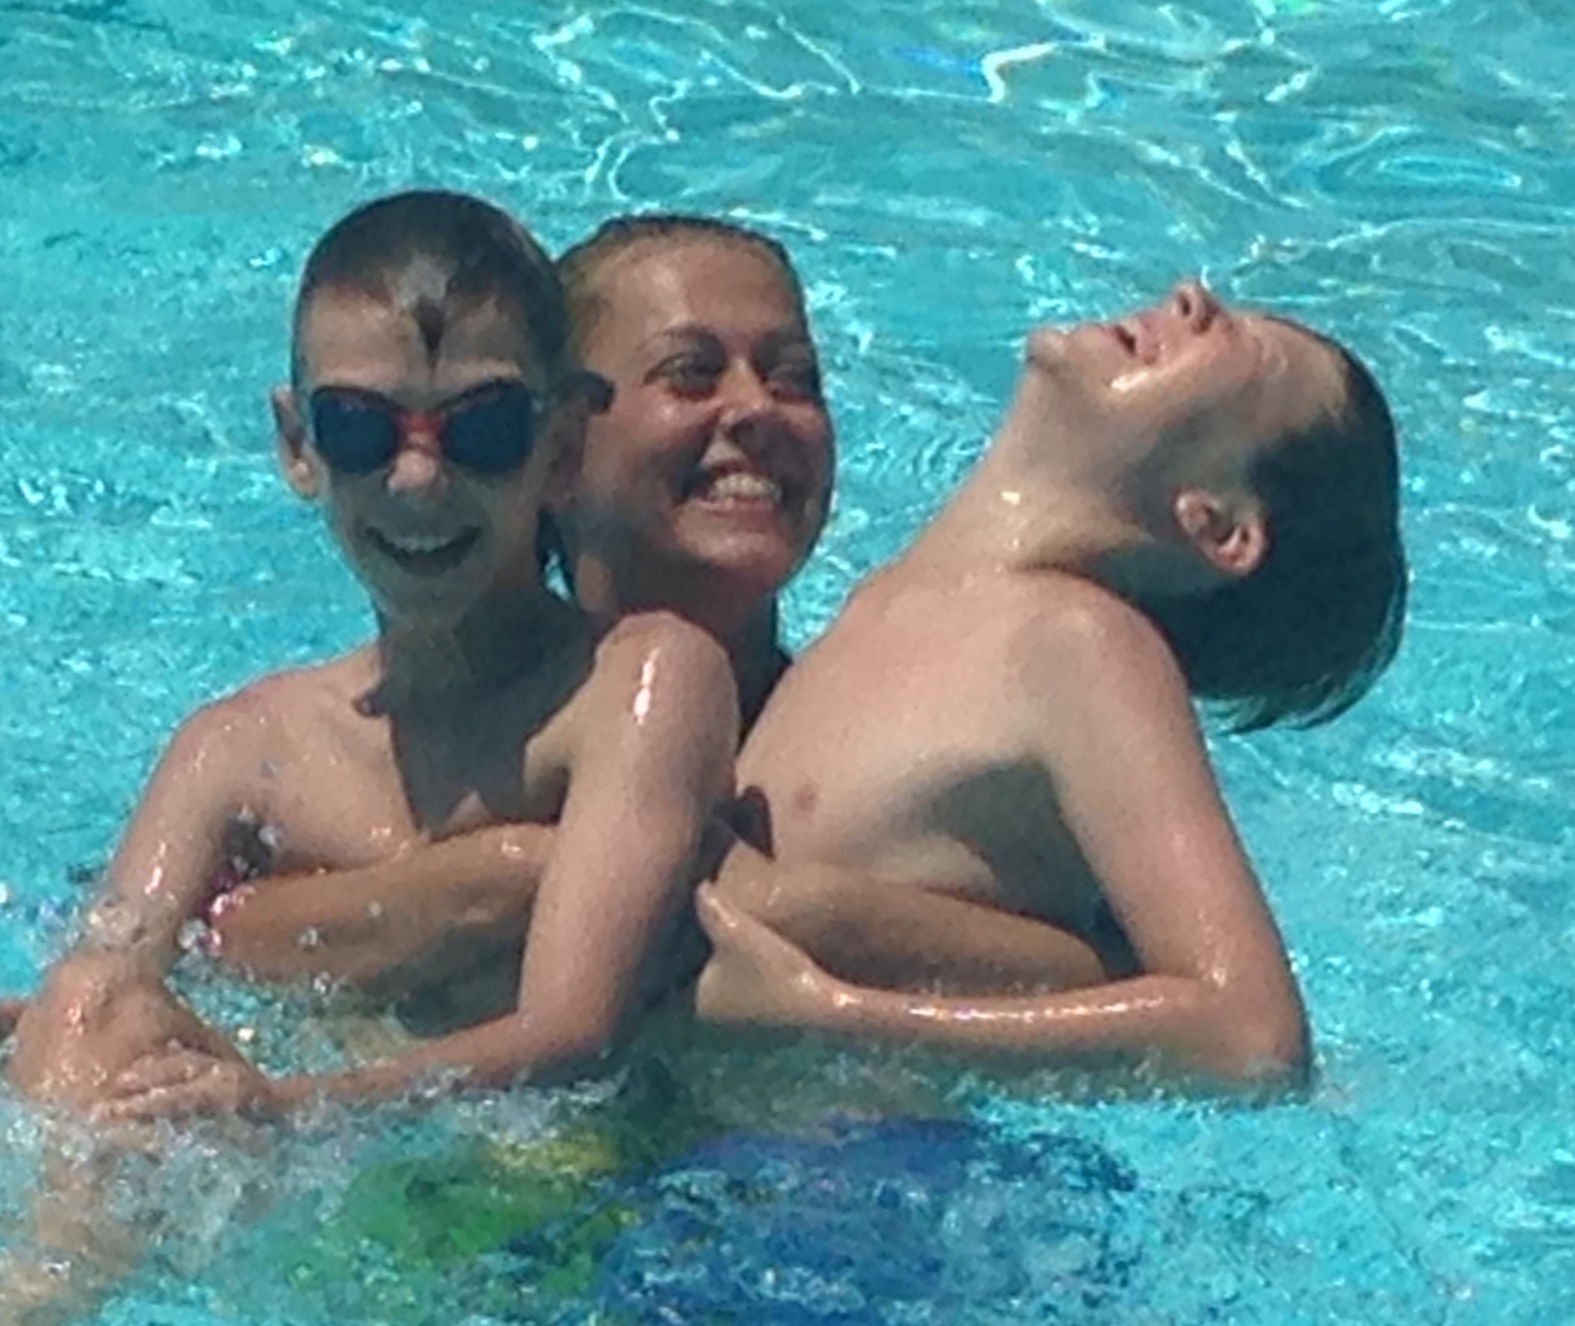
[[353, 435], [492, 435]]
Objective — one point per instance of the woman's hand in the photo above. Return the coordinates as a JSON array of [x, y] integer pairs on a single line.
[[756, 976]]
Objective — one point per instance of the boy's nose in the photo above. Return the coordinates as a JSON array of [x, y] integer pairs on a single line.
[[1194, 304], [418, 467]]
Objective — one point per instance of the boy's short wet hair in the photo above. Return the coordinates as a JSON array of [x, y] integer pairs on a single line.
[[580, 265], [466, 250], [1307, 634]]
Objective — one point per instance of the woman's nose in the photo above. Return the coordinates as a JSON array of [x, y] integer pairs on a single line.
[[744, 395]]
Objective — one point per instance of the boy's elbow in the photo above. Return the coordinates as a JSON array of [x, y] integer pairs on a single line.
[[1266, 1050]]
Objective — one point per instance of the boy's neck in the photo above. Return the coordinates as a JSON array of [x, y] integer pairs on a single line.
[[1014, 515], [1001, 520], [453, 664]]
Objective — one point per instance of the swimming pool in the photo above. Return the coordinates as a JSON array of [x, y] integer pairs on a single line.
[[1398, 171]]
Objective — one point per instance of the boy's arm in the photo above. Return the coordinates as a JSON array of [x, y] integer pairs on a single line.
[[654, 758], [105, 1001], [367, 925], [1122, 746]]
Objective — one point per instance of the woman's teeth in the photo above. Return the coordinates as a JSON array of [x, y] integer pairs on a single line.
[[740, 486]]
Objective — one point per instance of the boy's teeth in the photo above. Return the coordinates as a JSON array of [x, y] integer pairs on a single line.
[[420, 543], [741, 484]]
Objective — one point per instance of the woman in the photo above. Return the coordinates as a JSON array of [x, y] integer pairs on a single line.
[[706, 483]]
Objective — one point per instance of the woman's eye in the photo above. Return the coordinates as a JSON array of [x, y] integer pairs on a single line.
[[688, 376], [797, 380]]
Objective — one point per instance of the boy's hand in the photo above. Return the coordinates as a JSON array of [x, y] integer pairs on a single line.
[[756, 976], [94, 1014], [179, 1082], [97, 1015]]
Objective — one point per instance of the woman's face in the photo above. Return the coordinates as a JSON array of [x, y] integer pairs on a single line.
[[710, 475]]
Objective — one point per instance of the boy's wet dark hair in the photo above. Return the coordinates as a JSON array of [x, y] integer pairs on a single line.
[[580, 265], [1306, 635], [443, 254]]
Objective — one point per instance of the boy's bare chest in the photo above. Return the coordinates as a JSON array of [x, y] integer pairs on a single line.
[[365, 792], [900, 752]]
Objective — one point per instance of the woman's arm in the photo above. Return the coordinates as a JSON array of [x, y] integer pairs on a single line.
[[390, 923]]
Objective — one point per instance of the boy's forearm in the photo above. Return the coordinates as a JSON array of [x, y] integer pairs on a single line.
[[357, 925], [1246, 1026], [898, 936], [1192, 1026], [495, 1054]]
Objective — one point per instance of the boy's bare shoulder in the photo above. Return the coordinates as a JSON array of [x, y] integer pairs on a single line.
[[268, 707], [1056, 611], [1069, 631]]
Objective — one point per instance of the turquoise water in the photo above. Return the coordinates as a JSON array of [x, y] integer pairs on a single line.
[[1399, 173]]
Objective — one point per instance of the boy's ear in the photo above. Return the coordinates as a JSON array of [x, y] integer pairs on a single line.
[[1230, 533], [300, 469], [567, 439]]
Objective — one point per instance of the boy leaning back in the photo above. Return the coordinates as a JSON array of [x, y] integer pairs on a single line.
[[985, 817], [433, 410]]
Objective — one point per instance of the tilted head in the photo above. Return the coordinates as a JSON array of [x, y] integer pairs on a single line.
[[706, 483], [434, 402], [1259, 459]]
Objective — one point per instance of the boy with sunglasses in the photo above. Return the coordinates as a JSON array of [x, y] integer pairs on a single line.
[[434, 408]]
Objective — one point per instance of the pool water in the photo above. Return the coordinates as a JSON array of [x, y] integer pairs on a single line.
[[1396, 171]]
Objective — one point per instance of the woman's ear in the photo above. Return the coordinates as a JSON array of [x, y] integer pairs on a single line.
[[1230, 533], [300, 468]]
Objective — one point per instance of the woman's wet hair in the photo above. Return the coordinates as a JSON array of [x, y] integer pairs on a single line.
[[580, 266], [440, 254], [1306, 635]]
